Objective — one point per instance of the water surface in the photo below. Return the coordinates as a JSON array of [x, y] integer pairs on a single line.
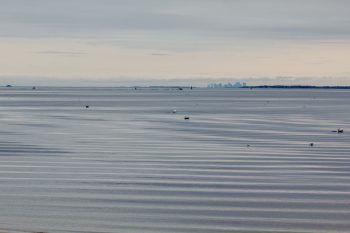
[[242, 163]]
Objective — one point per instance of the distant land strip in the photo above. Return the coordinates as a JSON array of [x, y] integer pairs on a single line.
[[297, 87]]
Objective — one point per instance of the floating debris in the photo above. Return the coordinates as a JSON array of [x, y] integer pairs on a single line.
[[33, 88], [174, 111], [186, 117]]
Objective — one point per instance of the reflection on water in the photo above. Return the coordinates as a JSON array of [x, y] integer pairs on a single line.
[[128, 163]]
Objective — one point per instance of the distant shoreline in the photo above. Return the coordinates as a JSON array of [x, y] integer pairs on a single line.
[[187, 87], [297, 87]]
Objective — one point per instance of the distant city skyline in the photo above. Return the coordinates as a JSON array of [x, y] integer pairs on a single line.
[[155, 42]]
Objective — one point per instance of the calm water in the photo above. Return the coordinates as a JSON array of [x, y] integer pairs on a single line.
[[128, 164]]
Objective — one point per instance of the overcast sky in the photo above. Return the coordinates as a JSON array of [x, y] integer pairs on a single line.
[[133, 40]]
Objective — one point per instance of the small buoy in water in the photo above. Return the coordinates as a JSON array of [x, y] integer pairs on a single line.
[[311, 144], [87, 106], [186, 117], [248, 145], [33, 88], [174, 111], [340, 130]]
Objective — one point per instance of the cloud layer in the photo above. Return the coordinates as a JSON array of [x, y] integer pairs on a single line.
[[207, 18], [175, 38]]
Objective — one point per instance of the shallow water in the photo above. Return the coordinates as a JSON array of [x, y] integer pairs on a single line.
[[128, 164]]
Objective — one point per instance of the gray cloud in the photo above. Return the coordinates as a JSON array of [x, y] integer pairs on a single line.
[[160, 54], [228, 19], [65, 53]]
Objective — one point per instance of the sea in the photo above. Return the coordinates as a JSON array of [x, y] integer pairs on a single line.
[[110, 160]]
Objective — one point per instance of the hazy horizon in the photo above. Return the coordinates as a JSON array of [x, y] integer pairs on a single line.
[[161, 42], [196, 82]]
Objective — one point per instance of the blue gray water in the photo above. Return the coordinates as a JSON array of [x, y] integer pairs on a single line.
[[128, 164]]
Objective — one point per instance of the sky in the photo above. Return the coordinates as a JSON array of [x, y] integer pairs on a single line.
[[129, 42]]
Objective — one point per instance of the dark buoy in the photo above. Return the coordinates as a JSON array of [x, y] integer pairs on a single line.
[[174, 111], [248, 145], [311, 144], [340, 130], [33, 88], [87, 106], [186, 117]]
